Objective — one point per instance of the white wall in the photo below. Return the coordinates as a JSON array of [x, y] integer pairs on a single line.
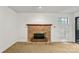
[[48, 18], [8, 28], [76, 14]]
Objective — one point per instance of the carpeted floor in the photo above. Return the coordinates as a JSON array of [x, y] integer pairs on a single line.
[[43, 48]]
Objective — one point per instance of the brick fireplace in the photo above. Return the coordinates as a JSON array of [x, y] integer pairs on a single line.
[[39, 33]]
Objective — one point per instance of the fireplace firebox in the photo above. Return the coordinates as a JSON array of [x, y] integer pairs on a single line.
[[39, 35]]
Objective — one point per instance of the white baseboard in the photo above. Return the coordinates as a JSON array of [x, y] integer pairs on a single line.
[[8, 45]]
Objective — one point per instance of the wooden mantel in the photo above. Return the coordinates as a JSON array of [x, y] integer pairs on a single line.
[[39, 24]]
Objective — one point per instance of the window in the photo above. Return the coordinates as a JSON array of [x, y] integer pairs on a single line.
[[63, 23], [63, 20]]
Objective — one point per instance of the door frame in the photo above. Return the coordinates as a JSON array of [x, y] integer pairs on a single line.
[[76, 29]]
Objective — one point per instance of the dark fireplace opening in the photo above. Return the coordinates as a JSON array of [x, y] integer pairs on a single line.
[[39, 35]]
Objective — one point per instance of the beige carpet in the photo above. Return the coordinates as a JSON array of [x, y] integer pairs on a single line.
[[43, 48]]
